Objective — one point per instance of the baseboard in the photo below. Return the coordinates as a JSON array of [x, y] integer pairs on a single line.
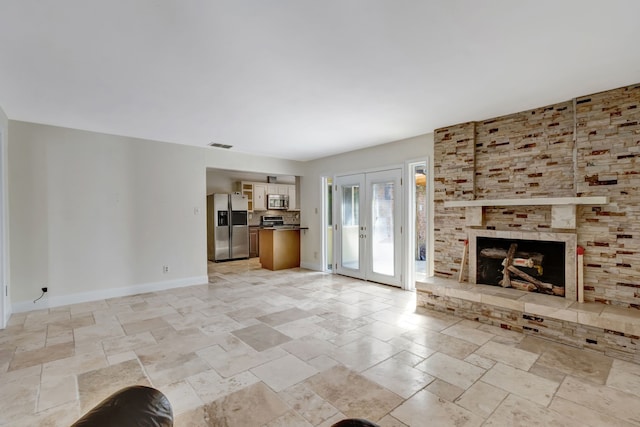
[[7, 315], [57, 301], [311, 266]]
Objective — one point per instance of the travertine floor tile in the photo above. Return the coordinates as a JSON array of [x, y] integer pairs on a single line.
[[466, 333], [252, 406], [182, 397], [451, 370], [481, 398], [258, 330], [398, 377], [516, 411], [57, 391], [94, 386], [363, 353], [210, 386], [261, 337], [625, 376], [283, 372], [354, 395], [308, 404], [603, 399], [426, 408], [587, 416], [444, 390], [289, 419], [524, 384], [508, 355], [25, 359], [579, 363]]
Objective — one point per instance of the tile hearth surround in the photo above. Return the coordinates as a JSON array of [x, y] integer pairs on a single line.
[[301, 348]]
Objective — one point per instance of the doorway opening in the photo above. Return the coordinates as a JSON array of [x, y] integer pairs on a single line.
[[327, 223], [419, 219]]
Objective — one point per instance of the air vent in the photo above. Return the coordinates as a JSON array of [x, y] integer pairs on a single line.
[[217, 145]]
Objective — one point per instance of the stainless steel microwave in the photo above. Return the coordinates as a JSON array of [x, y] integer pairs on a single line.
[[277, 201]]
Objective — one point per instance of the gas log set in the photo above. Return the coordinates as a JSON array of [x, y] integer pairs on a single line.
[[525, 270]]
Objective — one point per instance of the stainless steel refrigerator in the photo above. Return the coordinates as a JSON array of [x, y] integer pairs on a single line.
[[228, 230]]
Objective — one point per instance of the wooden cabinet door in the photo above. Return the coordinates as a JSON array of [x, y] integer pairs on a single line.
[[259, 197], [254, 242]]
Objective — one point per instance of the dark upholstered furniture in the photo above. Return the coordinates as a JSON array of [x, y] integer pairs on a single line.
[[136, 406], [355, 422]]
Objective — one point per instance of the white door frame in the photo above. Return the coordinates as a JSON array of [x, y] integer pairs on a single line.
[[5, 310], [324, 181], [410, 221]]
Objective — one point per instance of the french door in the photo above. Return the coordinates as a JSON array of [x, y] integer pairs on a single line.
[[368, 212]]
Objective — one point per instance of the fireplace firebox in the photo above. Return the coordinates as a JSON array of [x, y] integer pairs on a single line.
[[533, 265], [537, 262]]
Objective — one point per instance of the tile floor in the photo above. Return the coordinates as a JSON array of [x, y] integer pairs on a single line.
[[299, 348]]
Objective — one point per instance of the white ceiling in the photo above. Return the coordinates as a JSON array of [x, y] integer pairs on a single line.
[[302, 79]]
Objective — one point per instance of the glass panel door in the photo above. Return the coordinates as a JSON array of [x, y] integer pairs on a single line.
[[368, 213], [350, 250], [384, 237]]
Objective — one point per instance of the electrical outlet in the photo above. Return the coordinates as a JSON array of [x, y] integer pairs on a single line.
[[165, 268], [45, 289]]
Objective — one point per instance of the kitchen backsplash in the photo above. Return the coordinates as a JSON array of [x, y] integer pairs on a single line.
[[292, 217]]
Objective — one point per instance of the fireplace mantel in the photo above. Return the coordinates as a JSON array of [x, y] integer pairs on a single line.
[[563, 209], [534, 201]]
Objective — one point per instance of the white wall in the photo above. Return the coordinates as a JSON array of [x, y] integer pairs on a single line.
[[380, 156], [98, 215], [95, 215]]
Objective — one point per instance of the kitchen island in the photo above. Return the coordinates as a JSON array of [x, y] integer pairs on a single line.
[[279, 248]]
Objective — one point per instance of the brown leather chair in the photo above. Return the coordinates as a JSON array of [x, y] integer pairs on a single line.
[[136, 406], [355, 422]]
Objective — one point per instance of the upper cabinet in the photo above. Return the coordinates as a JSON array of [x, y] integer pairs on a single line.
[[246, 188], [293, 199], [259, 197], [278, 189], [256, 193]]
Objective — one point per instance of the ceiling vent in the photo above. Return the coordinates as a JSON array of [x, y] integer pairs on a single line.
[[217, 145]]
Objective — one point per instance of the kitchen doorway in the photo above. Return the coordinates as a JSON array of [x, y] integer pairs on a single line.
[[368, 229]]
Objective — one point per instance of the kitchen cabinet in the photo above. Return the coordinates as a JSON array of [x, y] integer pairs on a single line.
[[254, 242], [259, 197], [256, 193], [293, 199], [278, 189], [246, 189]]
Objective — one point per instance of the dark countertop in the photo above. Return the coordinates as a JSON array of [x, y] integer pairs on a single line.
[[285, 227]]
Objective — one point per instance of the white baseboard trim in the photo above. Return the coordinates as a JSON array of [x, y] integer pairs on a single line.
[[7, 315], [57, 301], [311, 266]]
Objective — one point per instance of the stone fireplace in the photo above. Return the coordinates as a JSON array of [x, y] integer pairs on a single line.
[[546, 258], [567, 173]]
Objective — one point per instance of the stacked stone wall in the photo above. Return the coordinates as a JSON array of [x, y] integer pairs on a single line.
[[453, 180], [608, 160], [592, 149]]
